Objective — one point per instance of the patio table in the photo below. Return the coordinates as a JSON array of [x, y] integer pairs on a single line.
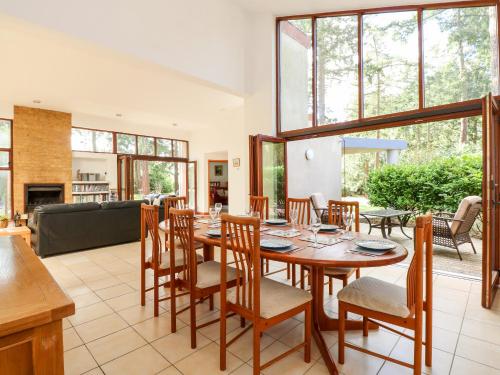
[[386, 216], [337, 255]]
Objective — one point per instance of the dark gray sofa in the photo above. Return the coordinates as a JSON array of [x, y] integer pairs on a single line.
[[62, 228]]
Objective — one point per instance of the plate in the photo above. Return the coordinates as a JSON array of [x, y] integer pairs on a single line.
[[214, 233], [375, 245], [275, 244], [276, 222], [328, 228]]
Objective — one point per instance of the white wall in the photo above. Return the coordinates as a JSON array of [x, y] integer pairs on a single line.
[[104, 164], [198, 38], [322, 174]]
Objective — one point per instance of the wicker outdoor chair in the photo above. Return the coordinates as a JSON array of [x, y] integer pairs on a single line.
[[452, 230]]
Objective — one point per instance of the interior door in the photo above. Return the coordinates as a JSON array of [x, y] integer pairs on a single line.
[[491, 199], [268, 172]]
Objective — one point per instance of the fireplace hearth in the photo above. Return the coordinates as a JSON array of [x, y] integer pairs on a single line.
[[38, 194]]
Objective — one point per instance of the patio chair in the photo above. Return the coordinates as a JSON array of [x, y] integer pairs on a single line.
[[452, 230], [320, 206]]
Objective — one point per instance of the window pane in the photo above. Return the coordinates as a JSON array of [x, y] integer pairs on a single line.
[[5, 194], [273, 176], [5, 128], [158, 177], [460, 54], [296, 74], [4, 159], [180, 149], [125, 143], [91, 140], [146, 145], [390, 63], [163, 147], [337, 64]]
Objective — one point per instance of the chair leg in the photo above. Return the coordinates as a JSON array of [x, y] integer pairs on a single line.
[[302, 277], [342, 313], [256, 350], [294, 274], [288, 275], [143, 285], [262, 271], [211, 302], [473, 247], [222, 359], [156, 295], [242, 322], [192, 319], [358, 273], [307, 334], [173, 308], [365, 326], [330, 285], [267, 265], [417, 356]]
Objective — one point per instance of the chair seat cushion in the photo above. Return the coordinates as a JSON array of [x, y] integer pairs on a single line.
[[339, 271], [208, 274], [179, 259], [376, 295], [275, 297]]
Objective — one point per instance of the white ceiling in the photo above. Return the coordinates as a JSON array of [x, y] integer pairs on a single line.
[[291, 7], [69, 74]]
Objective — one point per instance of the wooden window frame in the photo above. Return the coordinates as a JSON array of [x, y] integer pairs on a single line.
[[455, 110], [115, 144]]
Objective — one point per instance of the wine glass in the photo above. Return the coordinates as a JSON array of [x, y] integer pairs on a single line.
[[218, 207], [315, 227], [347, 219], [293, 215], [212, 211]]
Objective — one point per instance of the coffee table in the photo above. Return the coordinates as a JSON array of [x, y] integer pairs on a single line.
[[386, 216]]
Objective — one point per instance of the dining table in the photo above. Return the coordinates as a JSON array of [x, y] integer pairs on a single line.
[[343, 253]]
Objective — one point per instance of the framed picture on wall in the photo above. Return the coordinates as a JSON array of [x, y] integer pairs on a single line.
[[219, 170]]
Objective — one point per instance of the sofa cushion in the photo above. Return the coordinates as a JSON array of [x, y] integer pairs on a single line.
[[121, 204], [66, 207]]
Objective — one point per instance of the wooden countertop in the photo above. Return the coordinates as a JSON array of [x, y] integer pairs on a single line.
[[29, 296]]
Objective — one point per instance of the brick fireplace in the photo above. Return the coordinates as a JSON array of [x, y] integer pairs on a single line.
[[38, 194]]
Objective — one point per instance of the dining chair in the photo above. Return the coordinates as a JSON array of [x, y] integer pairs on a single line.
[[335, 217], [260, 204], [262, 301], [303, 207], [201, 280], [379, 301], [159, 261]]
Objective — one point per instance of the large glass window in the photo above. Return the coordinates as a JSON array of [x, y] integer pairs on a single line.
[[390, 63], [180, 149], [296, 74], [158, 177], [126, 143], [163, 147], [337, 64], [91, 140], [460, 54], [453, 57], [5, 168], [146, 145]]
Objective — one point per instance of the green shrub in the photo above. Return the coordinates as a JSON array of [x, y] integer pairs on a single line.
[[439, 185]]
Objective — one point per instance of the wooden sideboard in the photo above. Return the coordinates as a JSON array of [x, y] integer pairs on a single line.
[[32, 306]]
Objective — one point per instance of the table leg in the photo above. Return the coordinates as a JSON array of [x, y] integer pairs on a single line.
[[382, 227], [401, 227], [369, 223], [208, 252], [322, 322], [389, 225]]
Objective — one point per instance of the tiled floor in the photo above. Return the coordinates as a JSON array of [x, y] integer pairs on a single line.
[[111, 333]]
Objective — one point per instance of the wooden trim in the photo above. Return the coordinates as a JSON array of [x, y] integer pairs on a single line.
[[314, 121], [208, 177], [342, 128]]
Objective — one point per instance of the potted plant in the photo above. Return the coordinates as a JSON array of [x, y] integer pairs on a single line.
[[4, 221]]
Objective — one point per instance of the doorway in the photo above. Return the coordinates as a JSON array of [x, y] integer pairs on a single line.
[[218, 183]]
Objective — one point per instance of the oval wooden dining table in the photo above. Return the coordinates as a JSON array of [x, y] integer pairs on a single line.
[[317, 259]]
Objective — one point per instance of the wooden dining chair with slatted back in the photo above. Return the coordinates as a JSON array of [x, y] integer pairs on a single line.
[[261, 301], [172, 202], [378, 301], [303, 212], [260, 204], [335, 217], [159, 260], [201, 280]]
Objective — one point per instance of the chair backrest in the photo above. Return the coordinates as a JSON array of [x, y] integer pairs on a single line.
[[242, 234], [181, 226], [303, 207], [466, 214], [336, 210], [149, 229], [261, 205], [174, 202], [415, 275]]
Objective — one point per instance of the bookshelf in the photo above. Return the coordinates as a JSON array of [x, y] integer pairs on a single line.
[[90, 191]]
